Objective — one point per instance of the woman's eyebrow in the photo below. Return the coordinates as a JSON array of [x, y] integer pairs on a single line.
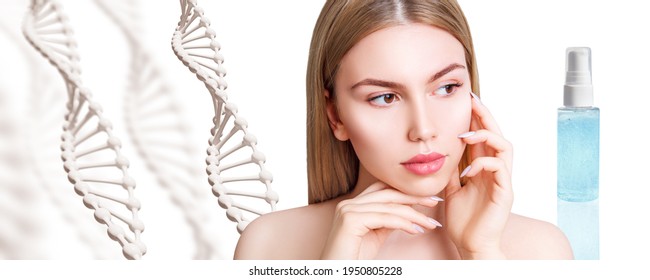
[[376, 82], [444, 71], [389, 84]]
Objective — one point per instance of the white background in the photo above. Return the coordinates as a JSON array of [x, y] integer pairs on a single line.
[[520, 51]]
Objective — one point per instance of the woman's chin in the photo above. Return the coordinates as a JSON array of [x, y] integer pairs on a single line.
[[425, 187]]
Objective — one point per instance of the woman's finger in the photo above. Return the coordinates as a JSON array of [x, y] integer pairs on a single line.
[[374, 221], [502, 148], [484, 116], [475, 125], [476, 150], [402, 211], [498, 168], [391, 195]]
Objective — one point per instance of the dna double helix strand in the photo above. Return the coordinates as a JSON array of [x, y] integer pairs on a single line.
[[36, 144], [46, 101], [233, 161], [90, 150], [157, 125]]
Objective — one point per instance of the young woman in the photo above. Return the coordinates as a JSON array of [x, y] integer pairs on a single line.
[[404, 162]]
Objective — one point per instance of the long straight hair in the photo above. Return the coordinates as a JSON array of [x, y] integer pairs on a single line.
[[332, 165]]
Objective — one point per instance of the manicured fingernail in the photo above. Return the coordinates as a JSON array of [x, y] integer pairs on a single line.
[[436, 198], [475, 97], [436, 223], [418, 228], [467, 134], [467, 169]]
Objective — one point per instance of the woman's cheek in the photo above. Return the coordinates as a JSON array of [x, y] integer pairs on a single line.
[[455, 116], [370, 136]]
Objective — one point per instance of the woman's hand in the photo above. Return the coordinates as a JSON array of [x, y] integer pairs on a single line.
[[362, 224], [476, 213]]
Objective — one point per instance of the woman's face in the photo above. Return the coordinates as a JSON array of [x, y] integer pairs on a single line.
[[402, 99]]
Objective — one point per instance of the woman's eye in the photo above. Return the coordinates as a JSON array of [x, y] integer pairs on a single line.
[[447, 89], [384, 99]]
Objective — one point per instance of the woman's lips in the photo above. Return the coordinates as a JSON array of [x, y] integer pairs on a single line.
[[424, 164]]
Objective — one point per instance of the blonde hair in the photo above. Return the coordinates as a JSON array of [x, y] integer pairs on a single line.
[[332, 165]]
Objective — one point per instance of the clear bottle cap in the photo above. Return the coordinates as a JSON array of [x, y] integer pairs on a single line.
[[578, 91]]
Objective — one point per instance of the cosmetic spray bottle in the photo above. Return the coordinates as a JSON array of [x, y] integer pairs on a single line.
[[578, 149]]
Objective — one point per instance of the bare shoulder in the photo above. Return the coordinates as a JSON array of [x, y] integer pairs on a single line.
[[296, 233], [527, 238]]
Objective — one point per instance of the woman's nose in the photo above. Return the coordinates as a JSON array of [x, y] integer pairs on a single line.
[[421, 127]]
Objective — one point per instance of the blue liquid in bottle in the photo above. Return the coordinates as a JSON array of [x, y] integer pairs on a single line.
[[577, 179], [578, 131], [578, 157]]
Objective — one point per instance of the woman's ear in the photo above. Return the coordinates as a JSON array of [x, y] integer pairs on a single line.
[[333, 118]]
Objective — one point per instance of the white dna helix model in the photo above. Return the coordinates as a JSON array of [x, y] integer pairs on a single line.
[[156, 124], [46, 101], [233, 161], [90, 151], [29, 150]]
